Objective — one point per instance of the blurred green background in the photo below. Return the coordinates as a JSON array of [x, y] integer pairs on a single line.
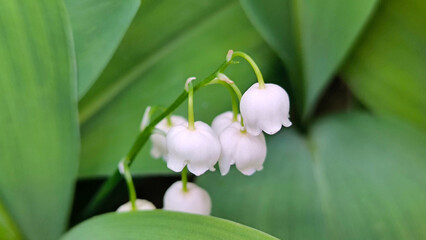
[[77, 75]]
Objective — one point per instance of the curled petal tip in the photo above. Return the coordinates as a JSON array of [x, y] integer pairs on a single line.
[[121, 166], [223, 77], [287, 123], [229, 55], [190, 79]]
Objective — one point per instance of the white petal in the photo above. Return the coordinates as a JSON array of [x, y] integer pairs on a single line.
[[224, 166], [155, 153], [222, 121], [197, 169], [286, 122], [175, 164], [196, 200], [159, 145], [265, 109], [199, 148], [247, 151], [253, 129], [270, 126], [247, 171], [141, 205]]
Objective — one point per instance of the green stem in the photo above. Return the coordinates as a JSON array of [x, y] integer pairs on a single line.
[[185, 179], [129, 181], [234, 100], [234, 90], [191, 106], [253, 65], [112, 182], [234, 105], [169, 120], [239, 95]]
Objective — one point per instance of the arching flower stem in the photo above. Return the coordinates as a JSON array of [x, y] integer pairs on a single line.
[[234, 91], [125, 171], [253, 65]]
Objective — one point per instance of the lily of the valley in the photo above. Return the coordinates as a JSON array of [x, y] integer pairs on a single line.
[[195, 200], [246, 151], [265, 108], [197, 147], [141, 204], [194, 144]]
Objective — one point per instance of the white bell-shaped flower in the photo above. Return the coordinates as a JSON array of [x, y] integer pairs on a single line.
[[198, 148], [159, 147], [246, 151], [222, 121], [195, 200], [141, 205], [265, 109]]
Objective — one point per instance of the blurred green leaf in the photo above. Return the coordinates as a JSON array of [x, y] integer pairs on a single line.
[[159, 224], [150, 68], [354, 177], [98, 26], [38, 120], [8, 228], [387, 69], [311, 37]]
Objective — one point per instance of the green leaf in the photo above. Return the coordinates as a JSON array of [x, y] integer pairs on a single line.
[[387, 68], [98, 27], [311, 37], [354, 177], [8, 228], [159, 224], [150, 68], [39, 138]]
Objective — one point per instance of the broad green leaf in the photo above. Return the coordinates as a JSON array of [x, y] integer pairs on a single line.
[[98, 27], [311, 37], [159, 224], [150, 68], [387, 68], [38, 121], [354, 177], [8, 228]]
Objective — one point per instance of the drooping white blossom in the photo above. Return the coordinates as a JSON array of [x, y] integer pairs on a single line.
[[197, 148], [158, 138], [265, 109], [246, 151], [222, 121], [195, 200], [141, 204]]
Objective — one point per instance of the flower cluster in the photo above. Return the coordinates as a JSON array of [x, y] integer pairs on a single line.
[[228, 141], [233, 139]]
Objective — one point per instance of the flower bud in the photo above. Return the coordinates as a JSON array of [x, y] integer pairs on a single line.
[[265, 109], [198, 148], [222, 121], [159, 147], [246, 151], [195, 200], [141, 204]]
